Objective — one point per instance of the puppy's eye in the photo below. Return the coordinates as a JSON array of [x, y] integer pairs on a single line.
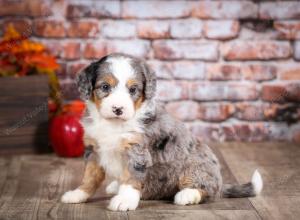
[[105, 87], [133, 90]]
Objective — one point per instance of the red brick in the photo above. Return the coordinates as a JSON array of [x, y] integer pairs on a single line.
[[95, 50], [274, 93], [259, 72], [281, 92], [188, 70], [270, 110], [289, 71], [221, 30], [206, 131], [278, 131], [250, 132], [153, 29], [297, 50], [155, 9], [49, 28], [118, 29], [215, 112], [71, 50], [183, 110], [173, 49], [288, 113], [23, 26], [223, 72], [266, 111], [256, 50], [179, 69], [279, 10], [138, 48], [205, 91], [83, 29], [250, 111], [257, 30], [163, 70], [225, 9], [54, 46], [289, 30], [99, 9], [227, 132], [171, 90], [186, 28], [32, 8]]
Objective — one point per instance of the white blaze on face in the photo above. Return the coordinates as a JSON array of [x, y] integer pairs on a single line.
[[119, 97]]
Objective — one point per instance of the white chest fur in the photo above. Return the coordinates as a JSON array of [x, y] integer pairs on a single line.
[[108, 135]]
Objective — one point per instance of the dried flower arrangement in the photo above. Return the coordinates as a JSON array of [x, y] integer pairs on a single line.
[[20, 56]]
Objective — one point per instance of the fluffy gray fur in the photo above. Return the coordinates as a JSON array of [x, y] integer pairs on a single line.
[[175, 155]]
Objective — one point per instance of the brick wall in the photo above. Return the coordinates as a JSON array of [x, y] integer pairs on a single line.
[[230, 69]]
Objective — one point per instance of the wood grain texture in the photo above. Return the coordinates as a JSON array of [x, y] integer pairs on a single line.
[[24, 114], [279, 165], [31, 187], [193, 214]]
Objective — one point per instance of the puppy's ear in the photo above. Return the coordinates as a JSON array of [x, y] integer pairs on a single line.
[[86, 79], [150, 85]]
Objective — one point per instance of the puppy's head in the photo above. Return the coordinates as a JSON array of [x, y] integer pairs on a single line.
[[118, 84]]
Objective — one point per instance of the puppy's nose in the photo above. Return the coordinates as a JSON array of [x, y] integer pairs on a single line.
[[117, 110]]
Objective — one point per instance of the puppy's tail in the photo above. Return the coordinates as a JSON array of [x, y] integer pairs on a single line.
[[249, 189]]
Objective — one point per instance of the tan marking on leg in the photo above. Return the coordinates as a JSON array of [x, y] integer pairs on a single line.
[[126, 144], [185, 182], [127, 178], [188, 182], [93, 177]]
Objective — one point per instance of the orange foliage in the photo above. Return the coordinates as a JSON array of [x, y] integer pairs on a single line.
[[75, 107], [27, 57]]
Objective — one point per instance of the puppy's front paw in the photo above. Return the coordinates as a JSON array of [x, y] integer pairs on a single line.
[[187, 196], [121, 203], [112, 188], [74, 196], [127, 199]]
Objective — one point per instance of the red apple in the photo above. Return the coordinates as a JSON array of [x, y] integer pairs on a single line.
[[66, 134]]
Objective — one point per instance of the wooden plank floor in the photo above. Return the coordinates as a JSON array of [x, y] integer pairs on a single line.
[[30, 188]]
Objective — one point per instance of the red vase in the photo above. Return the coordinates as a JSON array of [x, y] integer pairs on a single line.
[[66, 135]]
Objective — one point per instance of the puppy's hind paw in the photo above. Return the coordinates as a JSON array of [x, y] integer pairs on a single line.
[[187, 196], [74, 196]]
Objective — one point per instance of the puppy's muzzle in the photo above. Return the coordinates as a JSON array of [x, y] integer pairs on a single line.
[[117, 110]]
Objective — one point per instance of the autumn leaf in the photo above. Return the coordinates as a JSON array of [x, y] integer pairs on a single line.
[[11, 33], [41, 61]]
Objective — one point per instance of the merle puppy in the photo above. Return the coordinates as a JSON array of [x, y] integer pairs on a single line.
[[147, 153]]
